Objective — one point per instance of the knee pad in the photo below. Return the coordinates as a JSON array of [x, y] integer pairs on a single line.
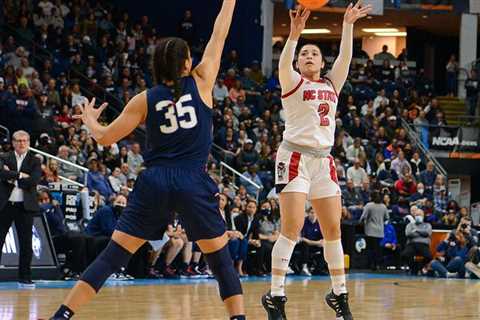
[[111, 260], [220, 262]]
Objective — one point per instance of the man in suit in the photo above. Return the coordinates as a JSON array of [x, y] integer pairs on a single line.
[[20, 172], [247, 224]]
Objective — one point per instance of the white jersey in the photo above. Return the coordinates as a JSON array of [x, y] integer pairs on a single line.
[[310, 114]]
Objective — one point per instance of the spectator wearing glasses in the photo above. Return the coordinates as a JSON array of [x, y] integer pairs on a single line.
[[20, 172], [419, 237]]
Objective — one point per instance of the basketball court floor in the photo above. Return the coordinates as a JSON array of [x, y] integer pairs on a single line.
[[373, 297]]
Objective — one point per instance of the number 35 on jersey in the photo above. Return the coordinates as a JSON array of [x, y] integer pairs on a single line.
[[177, 115]]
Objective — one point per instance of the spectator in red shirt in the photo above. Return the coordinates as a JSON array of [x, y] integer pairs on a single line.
[[237, 91], [406, 186], [230, 78], [64, 118]]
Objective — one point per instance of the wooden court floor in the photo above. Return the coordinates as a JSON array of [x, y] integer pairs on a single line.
[[371, 299]]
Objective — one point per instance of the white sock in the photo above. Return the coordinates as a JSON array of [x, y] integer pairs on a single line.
[[334, 256], [281, 254], [339, 284]]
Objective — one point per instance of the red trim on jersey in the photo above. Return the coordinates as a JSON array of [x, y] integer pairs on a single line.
[[331, 84], [288, 94], [293, 167], [333, 170]]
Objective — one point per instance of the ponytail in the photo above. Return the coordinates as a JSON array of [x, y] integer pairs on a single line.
[[169, 62]]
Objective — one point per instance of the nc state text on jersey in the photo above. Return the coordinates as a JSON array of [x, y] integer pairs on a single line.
[[310, 95]]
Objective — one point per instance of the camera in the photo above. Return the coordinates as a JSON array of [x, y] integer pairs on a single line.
[[464, 226]]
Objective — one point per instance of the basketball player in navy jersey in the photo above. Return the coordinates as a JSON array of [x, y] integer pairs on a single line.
[[178, 117]]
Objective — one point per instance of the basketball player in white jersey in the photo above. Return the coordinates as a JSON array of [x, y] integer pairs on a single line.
[[304, 167]]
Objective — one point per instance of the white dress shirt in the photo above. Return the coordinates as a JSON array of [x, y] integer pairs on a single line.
[[17, 193]]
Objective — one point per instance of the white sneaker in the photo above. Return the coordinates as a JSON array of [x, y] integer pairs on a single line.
[[114, 276], [473, 268], [120, 276], [452, 275], [290, 271], [305, 271]]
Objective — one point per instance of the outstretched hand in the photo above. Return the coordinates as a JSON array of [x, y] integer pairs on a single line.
[[298, 19], [90, 114], [357, 11]]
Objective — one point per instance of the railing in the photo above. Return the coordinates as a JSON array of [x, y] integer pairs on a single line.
[[83, 190], [221, 154], [241, 176], [413, 136], [70, 181], [68, 163]]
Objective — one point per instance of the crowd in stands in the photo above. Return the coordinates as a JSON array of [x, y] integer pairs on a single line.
[[398, 3], [84, 48]]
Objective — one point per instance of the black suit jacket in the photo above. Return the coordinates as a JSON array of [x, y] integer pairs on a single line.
[[241, 224], [31, 166]]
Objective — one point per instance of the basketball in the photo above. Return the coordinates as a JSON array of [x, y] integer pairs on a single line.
[[313, 4]]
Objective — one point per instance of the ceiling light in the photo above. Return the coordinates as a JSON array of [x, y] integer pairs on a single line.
[[335, 24], [284, 25], [373, 30], [369, 17], [316, 31], [391, 34], [315, 18], [425, 17]]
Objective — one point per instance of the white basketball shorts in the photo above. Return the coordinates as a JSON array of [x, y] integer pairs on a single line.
[[304, 173]]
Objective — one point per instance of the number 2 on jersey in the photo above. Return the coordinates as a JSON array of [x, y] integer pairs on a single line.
[[174, 112], [323, 110]]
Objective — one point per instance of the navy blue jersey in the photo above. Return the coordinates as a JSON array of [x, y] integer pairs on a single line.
[[179, 133]]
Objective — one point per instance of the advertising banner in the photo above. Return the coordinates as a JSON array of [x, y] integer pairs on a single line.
[[43, 254], [455, 140]]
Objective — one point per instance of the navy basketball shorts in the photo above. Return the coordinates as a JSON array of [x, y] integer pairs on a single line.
[[160, 192]]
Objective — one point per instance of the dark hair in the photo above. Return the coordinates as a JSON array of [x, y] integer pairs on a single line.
[[169, 60], [310, 44], [46, 191], [376, 197], [266, 201]]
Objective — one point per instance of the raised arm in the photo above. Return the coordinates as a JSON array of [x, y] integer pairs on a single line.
[[206, 72], [341, 66], [132, 115], [288, 77]]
